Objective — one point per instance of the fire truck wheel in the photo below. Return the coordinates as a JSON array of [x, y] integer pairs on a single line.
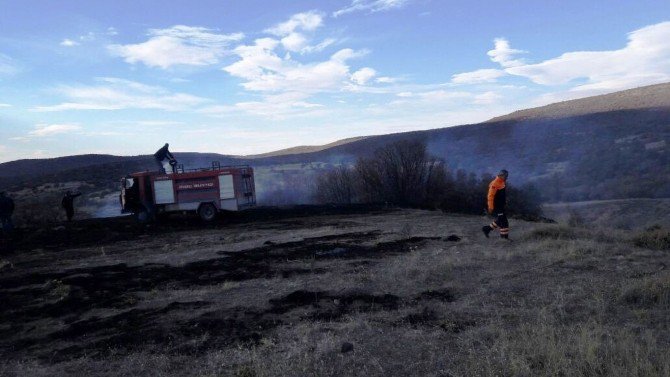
[[142, 216], [207, 212]]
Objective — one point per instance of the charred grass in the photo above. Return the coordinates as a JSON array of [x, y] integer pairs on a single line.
[[406, 301]]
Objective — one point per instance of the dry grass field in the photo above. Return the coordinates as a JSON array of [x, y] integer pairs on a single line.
[[383, 293], [619, 214]]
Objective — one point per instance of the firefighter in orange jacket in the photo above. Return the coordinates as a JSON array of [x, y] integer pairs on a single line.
[[496, 206]]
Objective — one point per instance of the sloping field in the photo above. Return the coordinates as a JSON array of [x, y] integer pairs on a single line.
[[612, 214], [383, 293]]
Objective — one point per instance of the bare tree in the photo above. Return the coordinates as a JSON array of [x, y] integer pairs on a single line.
[[336, 186], [404, 173], [404, 170], [368, 181]]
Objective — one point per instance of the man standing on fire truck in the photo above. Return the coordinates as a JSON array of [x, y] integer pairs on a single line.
[[165, 159]]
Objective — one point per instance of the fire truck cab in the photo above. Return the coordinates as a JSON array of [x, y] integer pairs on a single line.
[[207, 191]]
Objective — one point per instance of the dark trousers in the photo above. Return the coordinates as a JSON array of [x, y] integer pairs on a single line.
[[501, 224], [69, 212], [6, 222]]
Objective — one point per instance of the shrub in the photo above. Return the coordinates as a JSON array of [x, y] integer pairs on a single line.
[[655, 238], [336, 186], [652, 291], [525, 200], [402, 173], [576, 219]]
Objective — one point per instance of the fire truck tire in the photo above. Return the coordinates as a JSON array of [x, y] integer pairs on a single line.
[[142, 215], [207, 212]]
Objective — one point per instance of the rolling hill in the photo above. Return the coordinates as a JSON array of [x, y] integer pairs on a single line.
[[603, 147]]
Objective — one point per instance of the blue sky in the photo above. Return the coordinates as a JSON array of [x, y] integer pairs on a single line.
[[244, 77]]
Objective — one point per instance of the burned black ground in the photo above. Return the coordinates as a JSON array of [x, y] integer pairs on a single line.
[[280, 293]]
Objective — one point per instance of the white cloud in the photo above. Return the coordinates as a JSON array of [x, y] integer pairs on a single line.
[[159, 123], [306, 21], [88, 37], [477, 77], [117, 94], [504, 55], [256, 61], [487, 98], [294, 42], [69, 43], [442, 95], [386, 80], [292, 32], [285, 84], [111, 31], [178, 45], [5, 105], [106, 133], [318, 47], [264, 71], [281, 106], [429, 99], [645, 60], [42, 130], [363, 75], [370, 6], [273, 106], [39, 153]]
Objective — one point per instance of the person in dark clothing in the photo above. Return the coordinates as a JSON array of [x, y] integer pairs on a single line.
[[496, 202], [162, 155], [68, 204], [6, 211]]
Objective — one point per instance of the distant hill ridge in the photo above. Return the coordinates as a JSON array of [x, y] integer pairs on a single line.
[[38, 166], [647, 97], [305, 148], [604, 147]]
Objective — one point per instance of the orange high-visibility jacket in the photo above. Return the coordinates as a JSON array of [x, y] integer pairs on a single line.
[[496, 196]]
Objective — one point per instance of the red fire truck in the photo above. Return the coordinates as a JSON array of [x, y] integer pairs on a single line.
[[206, 191]]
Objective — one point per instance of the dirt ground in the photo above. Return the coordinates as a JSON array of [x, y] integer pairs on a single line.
[[382, 292]]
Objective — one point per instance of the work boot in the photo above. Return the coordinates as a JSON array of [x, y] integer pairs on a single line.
[[486, 229]]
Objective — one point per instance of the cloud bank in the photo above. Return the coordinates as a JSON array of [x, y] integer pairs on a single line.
[[370, 6], [178, 45]]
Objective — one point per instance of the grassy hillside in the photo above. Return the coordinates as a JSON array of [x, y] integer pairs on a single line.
[[606, 147], [648, 97]]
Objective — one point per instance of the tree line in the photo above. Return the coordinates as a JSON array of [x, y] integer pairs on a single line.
[[403, 173]]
